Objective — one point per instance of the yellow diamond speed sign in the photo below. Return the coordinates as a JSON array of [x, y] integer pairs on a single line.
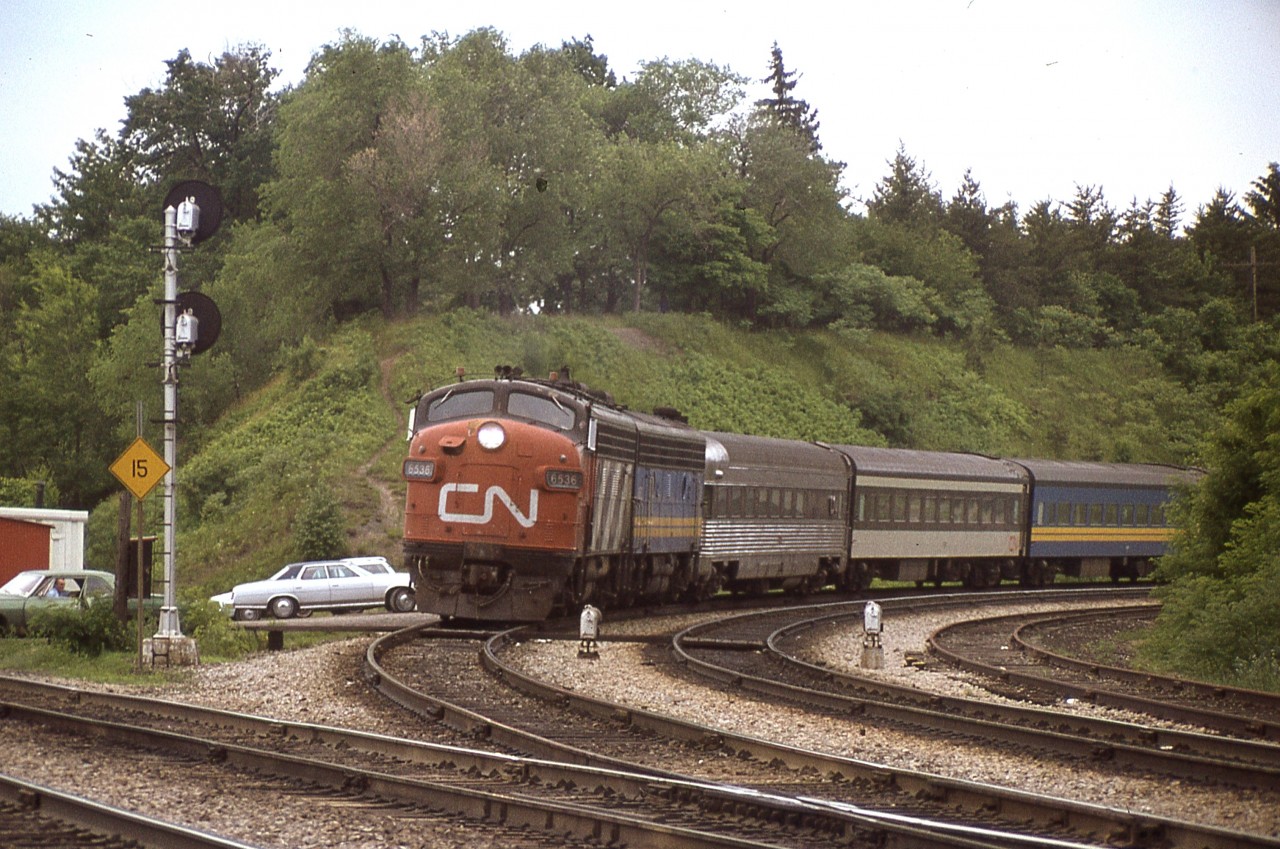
[[139, 468]]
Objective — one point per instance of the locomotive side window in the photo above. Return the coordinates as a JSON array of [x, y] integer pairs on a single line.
[[460, 405]]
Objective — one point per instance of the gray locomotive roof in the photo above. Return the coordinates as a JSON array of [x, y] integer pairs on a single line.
[[902, 462], [1083, 472]]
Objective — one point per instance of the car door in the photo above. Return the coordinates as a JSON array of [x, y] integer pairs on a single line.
[[41, 600], [351, 586], [312, 586]]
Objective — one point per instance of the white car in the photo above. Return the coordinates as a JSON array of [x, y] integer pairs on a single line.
[[352, 583]]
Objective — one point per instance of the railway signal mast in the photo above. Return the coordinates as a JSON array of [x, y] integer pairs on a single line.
[[193, 211]]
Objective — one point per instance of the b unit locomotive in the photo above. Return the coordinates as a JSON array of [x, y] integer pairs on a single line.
[[526, 498]]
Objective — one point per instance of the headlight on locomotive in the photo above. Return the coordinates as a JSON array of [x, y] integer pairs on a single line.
[[419, 470], [491, 436]]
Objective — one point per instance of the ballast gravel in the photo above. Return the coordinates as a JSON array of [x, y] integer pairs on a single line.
[[322, 685], [622, 674]]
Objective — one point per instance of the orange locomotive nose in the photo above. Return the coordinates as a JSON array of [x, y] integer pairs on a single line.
[[495, 516]]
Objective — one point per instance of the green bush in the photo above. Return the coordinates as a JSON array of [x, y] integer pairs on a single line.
[[319, 528], [88, 629], [217, 636]]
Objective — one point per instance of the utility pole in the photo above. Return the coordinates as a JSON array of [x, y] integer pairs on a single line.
[[1252, 264]]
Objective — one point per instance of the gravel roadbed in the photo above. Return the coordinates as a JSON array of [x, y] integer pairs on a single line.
[[621, 674], [322, 685]]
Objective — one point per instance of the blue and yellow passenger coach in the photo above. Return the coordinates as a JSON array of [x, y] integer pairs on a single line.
[[1094, 520]]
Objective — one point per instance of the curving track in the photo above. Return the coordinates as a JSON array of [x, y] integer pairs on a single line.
[[565, 721], [1011, 650]]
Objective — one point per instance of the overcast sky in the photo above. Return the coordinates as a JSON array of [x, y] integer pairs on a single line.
[[1035, 97]]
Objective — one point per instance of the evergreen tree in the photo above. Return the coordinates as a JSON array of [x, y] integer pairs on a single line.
[[784, 107], [907, 195], [1168, 213]]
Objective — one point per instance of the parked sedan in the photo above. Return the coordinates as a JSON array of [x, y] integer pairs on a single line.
[[354, 583], [27, 593]]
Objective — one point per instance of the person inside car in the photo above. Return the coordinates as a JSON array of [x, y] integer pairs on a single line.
[[58, 589]]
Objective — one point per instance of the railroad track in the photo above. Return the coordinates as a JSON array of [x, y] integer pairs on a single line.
[[1009, 650], [774, 668], [574, 725], [33, 816], [739, 795], [534, 802]]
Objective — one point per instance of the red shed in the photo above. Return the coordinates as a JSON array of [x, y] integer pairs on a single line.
[[39, 538]]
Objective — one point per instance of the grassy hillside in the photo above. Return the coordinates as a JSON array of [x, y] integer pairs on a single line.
[[310, 463]]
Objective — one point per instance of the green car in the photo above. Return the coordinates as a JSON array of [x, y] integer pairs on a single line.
[[38, 589]]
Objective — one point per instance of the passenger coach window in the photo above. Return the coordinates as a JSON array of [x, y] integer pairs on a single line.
[[459, 405], [540, 409]]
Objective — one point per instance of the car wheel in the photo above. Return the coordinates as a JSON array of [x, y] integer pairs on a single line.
[[248, 614], [401, 600], [284, 607]]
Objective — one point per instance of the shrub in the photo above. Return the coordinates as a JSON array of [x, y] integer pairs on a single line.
[[214, 631], [319, 528], [87, 630]]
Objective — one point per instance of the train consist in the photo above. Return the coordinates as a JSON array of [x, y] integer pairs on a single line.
[[528, 498]]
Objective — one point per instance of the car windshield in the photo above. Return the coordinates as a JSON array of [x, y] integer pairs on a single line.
[[288, 572], [21, 584]]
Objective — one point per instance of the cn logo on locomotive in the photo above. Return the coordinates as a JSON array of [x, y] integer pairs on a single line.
[[492, 493]]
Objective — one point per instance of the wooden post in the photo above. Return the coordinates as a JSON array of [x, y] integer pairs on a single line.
[[120, 604]]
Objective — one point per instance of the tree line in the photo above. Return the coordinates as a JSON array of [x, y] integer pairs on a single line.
[[396, 178]]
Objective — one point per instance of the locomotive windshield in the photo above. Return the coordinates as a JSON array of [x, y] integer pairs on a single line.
[[541, 409], [471, 403], [460, 405]]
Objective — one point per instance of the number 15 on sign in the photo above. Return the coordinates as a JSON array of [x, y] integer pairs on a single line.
[[139, 468]]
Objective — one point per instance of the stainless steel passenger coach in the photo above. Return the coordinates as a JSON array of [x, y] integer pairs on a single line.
[[527, 498]]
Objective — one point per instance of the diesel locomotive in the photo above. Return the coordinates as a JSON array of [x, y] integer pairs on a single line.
[[527, 498]]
